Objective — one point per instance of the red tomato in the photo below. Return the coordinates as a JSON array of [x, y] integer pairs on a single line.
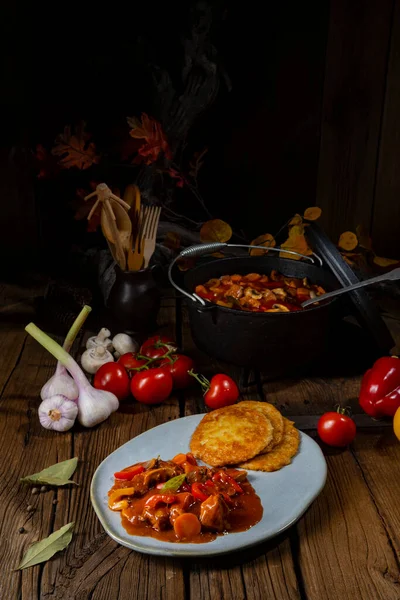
[[179, 367], [154, 351], [130, 361], [336, 429], [113, 378], [152, 386], [223, 392], [157, 339]]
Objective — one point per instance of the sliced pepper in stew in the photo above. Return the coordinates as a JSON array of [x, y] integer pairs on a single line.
[[259, 293]]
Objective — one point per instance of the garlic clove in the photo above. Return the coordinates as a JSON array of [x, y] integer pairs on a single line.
[[60, 383], [95, 406], [93, 358], [123, 343]]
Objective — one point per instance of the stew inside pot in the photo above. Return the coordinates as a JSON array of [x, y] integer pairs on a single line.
[[259, 293]]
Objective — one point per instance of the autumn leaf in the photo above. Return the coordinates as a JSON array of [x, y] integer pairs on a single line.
[[313, 213], [348, 241], [215, 230], [266, 240], [296, 220], [154, 140], [363, 237], [385, 262], [295, 243], [75, 150], [172, 240]]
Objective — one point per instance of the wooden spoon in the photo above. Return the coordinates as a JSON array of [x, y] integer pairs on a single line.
[[117, 229]]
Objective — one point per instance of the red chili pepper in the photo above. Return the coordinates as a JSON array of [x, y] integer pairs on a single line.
[[129, 472], [228, 480], [199, 491], [157, 498], [380, 388]]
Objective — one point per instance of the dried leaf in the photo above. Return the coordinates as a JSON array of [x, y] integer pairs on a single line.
[[75, 150], [296, 220], [45, 549], [295, 243], [385, 262], [313, 213], [172, 240], [363, 237], [296, 230], [266, 240], [215, 230], [173, 485], [348, 261], [154, 139], [58, 474], [348, 241]]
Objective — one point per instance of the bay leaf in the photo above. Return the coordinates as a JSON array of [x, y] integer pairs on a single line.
[[45, 549], [58, 474], [173, 485]]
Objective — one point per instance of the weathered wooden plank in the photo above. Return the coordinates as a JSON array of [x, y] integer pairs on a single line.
[[344, 551], [271, 573], [95, 566], [11, 346], [378, 456], [355, 71], [313, 396], [386, 215], [25, 447]]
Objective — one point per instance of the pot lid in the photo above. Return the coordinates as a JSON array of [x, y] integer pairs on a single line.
[[366, 312]]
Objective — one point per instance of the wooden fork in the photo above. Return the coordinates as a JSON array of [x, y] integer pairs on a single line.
[[150, 233]]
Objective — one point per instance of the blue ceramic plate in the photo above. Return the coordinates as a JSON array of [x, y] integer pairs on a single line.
[[285, 494]]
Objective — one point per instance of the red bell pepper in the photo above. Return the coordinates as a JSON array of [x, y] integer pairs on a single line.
[[157, 498], [228, 480], [199, 491], [380, 388], [129, 472]]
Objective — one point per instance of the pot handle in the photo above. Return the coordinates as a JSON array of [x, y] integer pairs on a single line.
[[202, 249]]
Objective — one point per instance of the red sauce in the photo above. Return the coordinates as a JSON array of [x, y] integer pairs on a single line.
[[241, 509], [259, 293], [247, 511]]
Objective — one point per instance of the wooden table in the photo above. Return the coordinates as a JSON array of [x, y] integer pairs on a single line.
[[345, 547]]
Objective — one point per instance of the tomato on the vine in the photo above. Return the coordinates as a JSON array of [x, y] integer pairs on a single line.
[[157, 339], [336, 428], [131, 361], [223, 392], [113, 378], [152, 386], [178, 367], [155, 352]]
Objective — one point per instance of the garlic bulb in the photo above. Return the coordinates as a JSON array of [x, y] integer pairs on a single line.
[[101, 339], [123, 343], [94, 358], [58, 413]]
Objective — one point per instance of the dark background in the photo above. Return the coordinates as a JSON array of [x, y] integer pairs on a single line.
[[312, 115]]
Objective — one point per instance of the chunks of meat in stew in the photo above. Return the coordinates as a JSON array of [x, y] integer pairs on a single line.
[[259, 293], [180, 501]]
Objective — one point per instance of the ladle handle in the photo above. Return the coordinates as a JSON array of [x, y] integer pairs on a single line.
[[390, 276]]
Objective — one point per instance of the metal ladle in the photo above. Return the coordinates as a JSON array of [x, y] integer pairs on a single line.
[[390, 276]]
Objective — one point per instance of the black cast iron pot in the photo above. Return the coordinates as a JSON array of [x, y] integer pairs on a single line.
[[274, 343]]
